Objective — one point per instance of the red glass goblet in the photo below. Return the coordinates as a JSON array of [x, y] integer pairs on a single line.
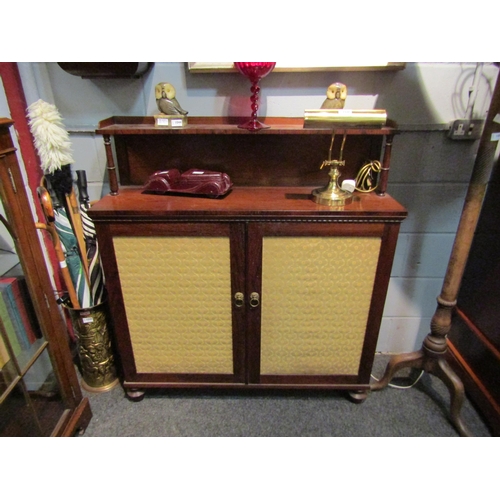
[[254, 71]]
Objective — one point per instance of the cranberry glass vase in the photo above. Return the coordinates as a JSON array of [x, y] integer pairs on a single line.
[[254, 71]]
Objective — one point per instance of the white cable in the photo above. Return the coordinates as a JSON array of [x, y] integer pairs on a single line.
[[394, 386], [473, 91]]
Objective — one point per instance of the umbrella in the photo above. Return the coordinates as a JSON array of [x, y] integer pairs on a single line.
[[69, 244], [96, 274], [48, 211], [61, 181]]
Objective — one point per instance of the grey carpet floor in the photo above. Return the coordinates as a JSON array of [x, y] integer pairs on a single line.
[[421, 411]]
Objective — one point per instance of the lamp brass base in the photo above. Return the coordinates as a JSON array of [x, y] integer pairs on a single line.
[[331, 197]]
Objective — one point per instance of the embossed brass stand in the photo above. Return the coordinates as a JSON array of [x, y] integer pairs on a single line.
[[95, 351], [432, 355], [332, 194]]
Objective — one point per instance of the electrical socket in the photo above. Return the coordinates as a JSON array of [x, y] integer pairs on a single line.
[[465, 129]]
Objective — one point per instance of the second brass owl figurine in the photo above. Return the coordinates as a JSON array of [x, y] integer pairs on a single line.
[[166, 101], [336, 94]]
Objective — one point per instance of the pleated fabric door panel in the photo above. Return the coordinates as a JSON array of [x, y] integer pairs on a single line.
[[178, 302], [173, 308], [314, 314]]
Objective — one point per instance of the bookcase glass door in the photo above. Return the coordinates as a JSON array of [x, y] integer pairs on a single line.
[[30, 398]]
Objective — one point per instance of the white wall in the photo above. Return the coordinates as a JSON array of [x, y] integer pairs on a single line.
[[429, 172]]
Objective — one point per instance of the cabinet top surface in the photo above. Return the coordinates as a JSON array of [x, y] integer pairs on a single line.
[[242, 202], [138, 125]]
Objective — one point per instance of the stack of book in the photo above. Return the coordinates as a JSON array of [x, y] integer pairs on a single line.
[[18, 317]]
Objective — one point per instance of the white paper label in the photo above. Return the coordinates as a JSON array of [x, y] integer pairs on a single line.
[[87, 320], [495, 136], [162, 121], [176, 123]]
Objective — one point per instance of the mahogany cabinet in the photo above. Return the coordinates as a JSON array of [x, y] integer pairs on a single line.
[[262, 288], [40, 393]]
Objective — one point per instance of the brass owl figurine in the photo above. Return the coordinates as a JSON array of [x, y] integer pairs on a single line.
[[166, 101], [336, 94]]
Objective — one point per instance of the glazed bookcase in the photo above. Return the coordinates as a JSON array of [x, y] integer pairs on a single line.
[[40, 393]]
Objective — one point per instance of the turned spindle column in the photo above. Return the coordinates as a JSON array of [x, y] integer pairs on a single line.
[[432, 355]]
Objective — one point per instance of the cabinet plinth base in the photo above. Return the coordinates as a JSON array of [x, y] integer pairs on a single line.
[[355, 393]]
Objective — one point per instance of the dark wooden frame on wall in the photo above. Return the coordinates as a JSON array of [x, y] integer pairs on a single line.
[[228, 67], [106, 69]]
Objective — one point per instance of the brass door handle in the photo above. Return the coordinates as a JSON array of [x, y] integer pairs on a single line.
[[239, 299], [254, 299]]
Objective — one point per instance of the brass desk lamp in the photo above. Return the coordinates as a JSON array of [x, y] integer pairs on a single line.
[[332, 194]]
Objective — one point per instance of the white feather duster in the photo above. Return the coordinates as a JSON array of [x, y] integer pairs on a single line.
[[51, 138]]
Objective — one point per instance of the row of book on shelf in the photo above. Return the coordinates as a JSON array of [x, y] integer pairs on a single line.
[[18, 317]]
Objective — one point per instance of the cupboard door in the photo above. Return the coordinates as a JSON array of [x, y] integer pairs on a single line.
[[315, 282], [174, 303]]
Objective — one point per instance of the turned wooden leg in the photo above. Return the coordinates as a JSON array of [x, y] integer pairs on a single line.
[[384, 173], [435, 365], [113, 179], [443, 371], [431, 358]]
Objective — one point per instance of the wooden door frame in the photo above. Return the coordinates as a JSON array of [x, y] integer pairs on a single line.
[[16, 100]]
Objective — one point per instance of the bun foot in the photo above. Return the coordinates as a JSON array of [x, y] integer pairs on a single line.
[[135, 395], [357, 396]]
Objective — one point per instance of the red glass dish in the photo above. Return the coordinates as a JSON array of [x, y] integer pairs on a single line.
[[254, 71]]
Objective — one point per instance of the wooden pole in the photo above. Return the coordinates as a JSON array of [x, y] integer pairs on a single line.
[[432, 356]]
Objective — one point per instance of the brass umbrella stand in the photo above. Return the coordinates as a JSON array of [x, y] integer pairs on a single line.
[[432, 355]]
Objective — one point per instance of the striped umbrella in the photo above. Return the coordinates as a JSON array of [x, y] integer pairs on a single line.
[[96, 275], [69, 244]]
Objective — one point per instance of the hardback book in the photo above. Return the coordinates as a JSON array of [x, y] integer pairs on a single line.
[[26, 309], [4, 354], [24, 306], [7, 293], [9, 327]]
